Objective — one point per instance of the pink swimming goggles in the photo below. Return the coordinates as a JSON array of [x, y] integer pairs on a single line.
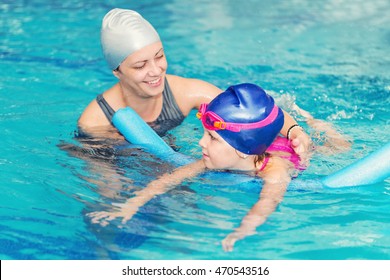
[[211, 121]]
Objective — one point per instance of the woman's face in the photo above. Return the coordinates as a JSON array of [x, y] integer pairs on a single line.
[[217, 153], [143, 72]]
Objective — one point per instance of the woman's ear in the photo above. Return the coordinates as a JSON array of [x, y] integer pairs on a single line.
[[116, 73]]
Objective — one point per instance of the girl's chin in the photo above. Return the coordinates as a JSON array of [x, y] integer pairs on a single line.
[[209, 165]]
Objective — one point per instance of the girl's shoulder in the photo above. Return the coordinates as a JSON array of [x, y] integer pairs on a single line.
[[277, 171], [274, 165]]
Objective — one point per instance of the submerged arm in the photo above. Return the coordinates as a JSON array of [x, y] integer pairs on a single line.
[[335, 142], [276, 181], [160, 186]]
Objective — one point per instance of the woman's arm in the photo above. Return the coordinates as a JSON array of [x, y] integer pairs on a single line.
[[334, 141], [160, 186], [191, 93], [276, 179]]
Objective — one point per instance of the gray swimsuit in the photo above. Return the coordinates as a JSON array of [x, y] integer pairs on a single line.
[[170, 115]]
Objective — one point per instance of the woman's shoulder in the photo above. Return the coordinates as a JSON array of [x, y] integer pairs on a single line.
[[93, 115], [192, 91]]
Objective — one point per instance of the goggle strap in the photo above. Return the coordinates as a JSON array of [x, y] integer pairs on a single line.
[[236, 127]]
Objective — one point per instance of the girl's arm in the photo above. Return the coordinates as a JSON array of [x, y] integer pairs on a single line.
[[160, 186], [276, 179]]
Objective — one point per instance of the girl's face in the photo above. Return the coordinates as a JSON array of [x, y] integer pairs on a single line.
[[218, 154], [143, 72]]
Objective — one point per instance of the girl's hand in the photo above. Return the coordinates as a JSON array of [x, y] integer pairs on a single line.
[[104, 217], [230, 240]]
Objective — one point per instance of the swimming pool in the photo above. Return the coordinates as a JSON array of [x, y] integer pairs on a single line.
[[330, 56]]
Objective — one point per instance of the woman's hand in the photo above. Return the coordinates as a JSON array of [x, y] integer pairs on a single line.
[[300, 140], [301, 144]]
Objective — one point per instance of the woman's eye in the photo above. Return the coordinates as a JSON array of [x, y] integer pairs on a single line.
[[139, 67]]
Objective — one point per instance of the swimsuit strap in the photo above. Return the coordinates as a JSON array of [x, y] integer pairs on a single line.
[[264, 163], [106, 108], [170, 110]]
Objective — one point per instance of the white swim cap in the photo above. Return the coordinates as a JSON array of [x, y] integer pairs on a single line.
[[124, 32]]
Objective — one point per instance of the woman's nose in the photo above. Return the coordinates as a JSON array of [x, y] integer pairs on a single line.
[[154, 69]]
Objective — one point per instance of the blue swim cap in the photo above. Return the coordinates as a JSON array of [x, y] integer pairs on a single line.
[[247, 105]]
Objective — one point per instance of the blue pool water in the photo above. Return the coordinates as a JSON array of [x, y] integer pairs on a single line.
[[331, 56]]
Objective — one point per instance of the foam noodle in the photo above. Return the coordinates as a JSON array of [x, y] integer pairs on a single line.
[[371, 169], [138, 132]]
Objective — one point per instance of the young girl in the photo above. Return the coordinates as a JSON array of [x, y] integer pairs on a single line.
[[241, 128]]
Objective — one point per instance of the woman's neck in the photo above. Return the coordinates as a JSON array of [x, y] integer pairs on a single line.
[[148, 107]]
